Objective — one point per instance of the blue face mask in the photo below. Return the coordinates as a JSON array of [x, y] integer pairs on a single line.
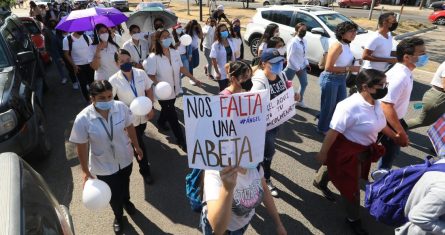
[[126, 67], [166, 42], [277, 68], [224, 34], [422, 61], [104, 105]]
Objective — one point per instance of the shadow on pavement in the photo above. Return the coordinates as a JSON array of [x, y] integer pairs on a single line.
[[143, 223]]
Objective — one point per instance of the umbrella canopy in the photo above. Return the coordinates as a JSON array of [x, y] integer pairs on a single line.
[[85, 20], [437, 136], [145, 17]]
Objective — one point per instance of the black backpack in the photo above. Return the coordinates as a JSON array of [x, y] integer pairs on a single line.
[[70, 42]]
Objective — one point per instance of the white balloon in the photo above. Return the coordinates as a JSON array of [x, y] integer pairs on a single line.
[[96, 194], [141, 106], [185, 40], [163, 90]]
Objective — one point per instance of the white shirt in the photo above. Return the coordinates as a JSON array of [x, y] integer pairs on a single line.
[[218, 52], [195, 41], [166, 71], [346, 57], [296, 54], [80, 52], [107, 66], [439, 76], [425, 206], [118, 39], [87, 128], [138, 52], [400, 85], [182, 49], [123, 89], [263, 46], [247, 194], [358, 120], [382, 48], [237, 42], [209, 36]]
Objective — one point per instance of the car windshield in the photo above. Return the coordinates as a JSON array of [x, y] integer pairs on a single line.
[[31, 27], [151, 4], [332, 20]]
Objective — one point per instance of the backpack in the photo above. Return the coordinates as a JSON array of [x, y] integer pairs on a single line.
[[70, 42], [386, 198]]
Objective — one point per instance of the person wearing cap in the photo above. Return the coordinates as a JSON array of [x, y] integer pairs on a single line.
[[219, 14], [236, 35], [270, 76]]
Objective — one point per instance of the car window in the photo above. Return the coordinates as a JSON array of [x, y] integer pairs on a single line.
[[308, 20], [15, 37], [38, 210], [332, 20], [31, 27], [280, 17]]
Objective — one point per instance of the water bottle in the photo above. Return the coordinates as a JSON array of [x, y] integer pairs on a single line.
[[418, 106]]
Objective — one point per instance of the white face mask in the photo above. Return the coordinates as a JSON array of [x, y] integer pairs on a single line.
[[282, 50], [179, 30], [136, 36], [104, 37], [277, 34]]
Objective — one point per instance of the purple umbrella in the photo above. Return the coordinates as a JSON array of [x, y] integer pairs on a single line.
[[85, 20]]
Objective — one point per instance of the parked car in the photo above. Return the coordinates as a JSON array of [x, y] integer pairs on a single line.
[[43, 2], [35, 29], [143, 5], [437, 17], [365, 4], [303, 2], [438, 6], [122, 5], [321, 23], [23, 123], [28, 206]]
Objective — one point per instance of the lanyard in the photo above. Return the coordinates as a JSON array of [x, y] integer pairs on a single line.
[[304, 48], [109, 133], [139, 51], [132, 85]]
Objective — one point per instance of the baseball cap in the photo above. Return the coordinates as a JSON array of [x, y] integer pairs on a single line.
[[271, 55], [220, 8]]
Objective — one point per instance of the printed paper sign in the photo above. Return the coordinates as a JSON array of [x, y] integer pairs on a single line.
[[281, 109], [225, 130]]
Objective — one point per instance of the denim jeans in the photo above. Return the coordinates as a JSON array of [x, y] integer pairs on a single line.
[[333, 90], [207, 228], [195, 60], [269, 150], [185, 64]]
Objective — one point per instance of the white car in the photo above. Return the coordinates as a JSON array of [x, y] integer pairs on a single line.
[[321, 23], [304, 2]]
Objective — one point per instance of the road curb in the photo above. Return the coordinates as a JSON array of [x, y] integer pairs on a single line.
[[409, 34]]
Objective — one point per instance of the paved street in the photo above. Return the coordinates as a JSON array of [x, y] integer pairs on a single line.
[[163, 208]]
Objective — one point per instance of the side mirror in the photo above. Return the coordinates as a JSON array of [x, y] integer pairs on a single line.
[[318, 30], [25, 57]]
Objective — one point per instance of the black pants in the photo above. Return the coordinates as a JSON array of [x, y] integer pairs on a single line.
[[119, 184], [85, 77], [223, 84], [70, 70], [168, 114], [144, 167]]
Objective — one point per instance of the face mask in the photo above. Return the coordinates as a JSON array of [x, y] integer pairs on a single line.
[[277, 68], [422, 60], [379, 93], [104, 105], [179, 31], [282, 50], [136, 36], [104, 37], [224, 34], [126, 67], [277, 34], [166, 42], [393, 26], [301, 34], [237, 29], [159, 27]]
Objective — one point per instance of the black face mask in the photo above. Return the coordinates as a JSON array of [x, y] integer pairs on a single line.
[[393, 26], [301, 34], [379, 93]]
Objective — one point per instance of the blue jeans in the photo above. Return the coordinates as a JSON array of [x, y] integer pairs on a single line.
[[185, 64], [333, 90], [195, 60], [392, 150], [302, 77], [207, 228], [269, 150]]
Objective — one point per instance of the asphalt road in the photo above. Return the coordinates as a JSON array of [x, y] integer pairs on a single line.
[[163, 208]]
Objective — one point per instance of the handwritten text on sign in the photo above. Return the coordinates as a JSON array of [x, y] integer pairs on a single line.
[[225, 130], [280, 109]]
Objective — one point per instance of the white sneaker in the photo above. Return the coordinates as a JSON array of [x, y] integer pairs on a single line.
[[378, 174], [193, 83], [273, 190], [76, 86], [301, 105], [64, 80]]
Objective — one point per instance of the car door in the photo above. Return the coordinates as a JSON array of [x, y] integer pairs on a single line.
[[317, 44], [286, 22]]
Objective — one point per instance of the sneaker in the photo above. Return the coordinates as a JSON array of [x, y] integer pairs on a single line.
[[117, 226], [328, 194], [378, 174], [76, 86], [301, 105], [273, 190], [64, 81], [193, 83], [130, 208], [356, 227]]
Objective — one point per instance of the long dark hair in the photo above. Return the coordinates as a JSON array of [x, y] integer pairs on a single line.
[[218, 32], [157, 49], [369, 77], [99, 86], [269, 32], [176, 36], [96, 38], [190, 26]]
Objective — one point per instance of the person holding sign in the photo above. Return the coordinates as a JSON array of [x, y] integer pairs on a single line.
[[350, 144], [164, 64], [231, 196], [105, 126], [270, 76], [128, 84]]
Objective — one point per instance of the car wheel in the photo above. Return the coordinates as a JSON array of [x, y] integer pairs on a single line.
[[365, 7], [66, 214], [254, 44], [266, 3], [440, 21], [43, 148]]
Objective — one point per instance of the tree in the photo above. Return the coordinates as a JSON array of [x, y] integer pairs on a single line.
[[7, 3]]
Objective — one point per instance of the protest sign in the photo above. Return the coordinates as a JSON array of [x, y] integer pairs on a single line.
[[281, 109], [225, 130]]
